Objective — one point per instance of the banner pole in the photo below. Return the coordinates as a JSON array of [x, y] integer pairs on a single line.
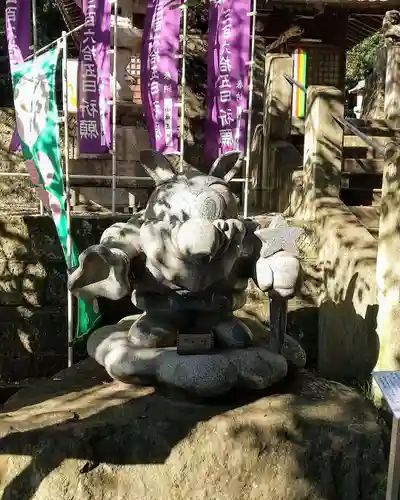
[[54, 42], [67, 194], [34, 30], [114, 112], [183, 84], [253, 14], [34, 49]]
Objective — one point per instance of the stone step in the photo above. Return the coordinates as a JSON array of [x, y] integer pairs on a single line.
[[130, 140], [351, 141], [363, 165], [369, 217], [360, 196], [362, 181], [93, 194], [94, 199], [18, 195], [103, 167], [372, 127]]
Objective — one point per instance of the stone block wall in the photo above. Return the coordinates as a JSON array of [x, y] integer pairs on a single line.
[[33, 321], [16, 193]]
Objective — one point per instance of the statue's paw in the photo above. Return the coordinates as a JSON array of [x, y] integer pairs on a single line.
[[102, 272], [279, 272], [233, 229], [152, 331], [117, 349], [104, 339], [232, 333]]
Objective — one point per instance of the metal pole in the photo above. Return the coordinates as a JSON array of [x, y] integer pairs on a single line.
[[361, 135], [34, 49], [114, 112], [83, 176], [344, 123], [183, 84], [54, 42], [34, 26], [296, 83], [253, 14], [102, 177], [278, 310], [68, 195]]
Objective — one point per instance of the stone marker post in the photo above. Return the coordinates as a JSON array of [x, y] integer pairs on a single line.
[[323, 147], [388, 267], [391, 28], [277, 118], [256, 151], [322, 165], [388, 259]]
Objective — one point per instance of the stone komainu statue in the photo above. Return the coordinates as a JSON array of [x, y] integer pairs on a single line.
[[391, 26], [186, 261]]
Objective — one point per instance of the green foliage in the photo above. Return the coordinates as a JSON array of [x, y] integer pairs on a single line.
[[49, 22], [362, 57]]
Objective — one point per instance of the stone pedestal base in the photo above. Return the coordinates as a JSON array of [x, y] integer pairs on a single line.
[[206, 375]]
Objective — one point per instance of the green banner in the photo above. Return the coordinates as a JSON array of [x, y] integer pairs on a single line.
[[37, 123]]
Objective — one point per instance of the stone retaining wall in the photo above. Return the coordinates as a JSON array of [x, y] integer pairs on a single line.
[[344, 290], [16, 193], [33, 326]]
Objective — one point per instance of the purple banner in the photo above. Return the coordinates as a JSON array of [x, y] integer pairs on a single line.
[[18, 32], [94, 79], [159, 74], [227, 86]]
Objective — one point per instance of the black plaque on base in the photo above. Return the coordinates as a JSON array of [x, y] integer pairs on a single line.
[[195, 343]]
